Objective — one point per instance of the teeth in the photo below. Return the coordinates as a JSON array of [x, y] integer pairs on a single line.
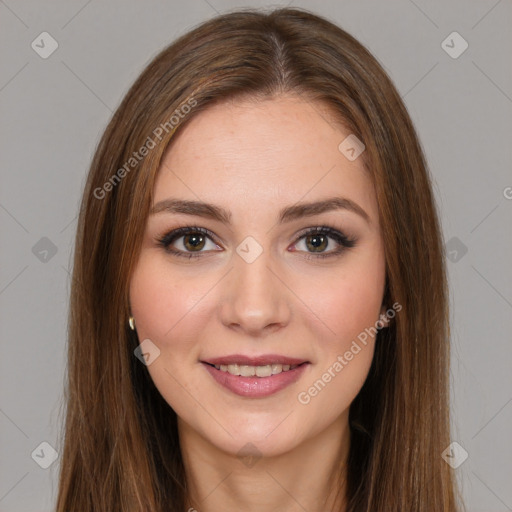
[[234, 369], [276, 368], [264, 371], [246, 371], [259, 371]]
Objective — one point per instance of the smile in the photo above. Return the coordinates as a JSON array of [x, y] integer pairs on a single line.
[[256, 381], [259, 371]]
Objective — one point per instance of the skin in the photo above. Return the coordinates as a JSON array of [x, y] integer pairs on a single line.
[[254, 158]]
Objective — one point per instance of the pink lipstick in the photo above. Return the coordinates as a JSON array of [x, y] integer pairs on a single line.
[[255, 376]]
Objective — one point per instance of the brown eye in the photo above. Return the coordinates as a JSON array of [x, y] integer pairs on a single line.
[[316, 241], [194, 242], [188, 242]]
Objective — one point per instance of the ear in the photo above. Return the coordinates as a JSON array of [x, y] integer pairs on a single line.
[[383, 318]]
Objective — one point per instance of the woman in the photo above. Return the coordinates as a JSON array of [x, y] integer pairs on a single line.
[[259, 303]]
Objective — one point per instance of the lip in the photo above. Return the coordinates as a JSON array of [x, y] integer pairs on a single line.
[[256, 387], [261, 360]]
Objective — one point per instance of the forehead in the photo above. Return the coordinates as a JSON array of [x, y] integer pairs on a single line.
[[270, 152]]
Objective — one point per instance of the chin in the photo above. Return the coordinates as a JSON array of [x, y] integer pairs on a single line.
[[257, 445], [268, 437]]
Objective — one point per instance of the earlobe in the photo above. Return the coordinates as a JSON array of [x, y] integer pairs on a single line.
[[383, 320]]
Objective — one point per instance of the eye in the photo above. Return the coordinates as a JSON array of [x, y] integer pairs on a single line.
[[317, 240], [191, 240]]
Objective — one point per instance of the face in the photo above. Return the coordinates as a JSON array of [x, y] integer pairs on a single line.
[[261, 278]]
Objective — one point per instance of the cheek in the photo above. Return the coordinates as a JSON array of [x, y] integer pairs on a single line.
[[351, 315], [346, 303], [346, 307], [344, 360], [162, 304], [168, 311]]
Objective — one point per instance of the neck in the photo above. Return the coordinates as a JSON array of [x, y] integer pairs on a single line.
[[311, 476]]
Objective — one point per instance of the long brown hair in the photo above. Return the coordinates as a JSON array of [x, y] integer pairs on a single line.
[[120, 441]]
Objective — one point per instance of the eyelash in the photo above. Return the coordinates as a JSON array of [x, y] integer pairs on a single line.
[[344, 242]]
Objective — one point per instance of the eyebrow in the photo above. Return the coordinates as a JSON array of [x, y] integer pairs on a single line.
[[287, 214]]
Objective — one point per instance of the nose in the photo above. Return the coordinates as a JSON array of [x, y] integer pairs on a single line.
[[255, 299]]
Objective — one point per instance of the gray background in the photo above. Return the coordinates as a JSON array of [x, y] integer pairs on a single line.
[[53, 112]]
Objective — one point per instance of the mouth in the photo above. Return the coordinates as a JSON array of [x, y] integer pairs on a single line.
[[259, 366], [245, 370], [255, 377]]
